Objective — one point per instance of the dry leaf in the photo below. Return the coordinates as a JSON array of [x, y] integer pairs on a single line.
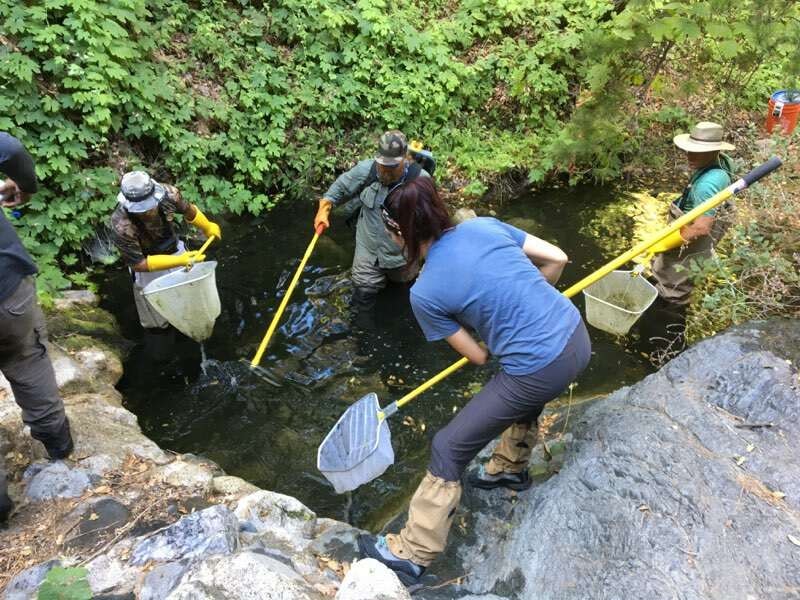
[[103, 489], [750, 447], [644, 508], [740, 460], [778, 495], [94, 517], [794, 540], [60, 539]]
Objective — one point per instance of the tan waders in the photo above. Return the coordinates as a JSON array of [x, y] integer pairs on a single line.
[[514, 450], [430, 516]]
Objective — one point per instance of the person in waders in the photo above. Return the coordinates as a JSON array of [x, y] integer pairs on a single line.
[[376, 259], [496, 280], [711, 172], [23, 354], [143, 229]]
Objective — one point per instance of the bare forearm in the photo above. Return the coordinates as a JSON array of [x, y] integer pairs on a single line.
[[463, 343], [549, 259], [698, 228]]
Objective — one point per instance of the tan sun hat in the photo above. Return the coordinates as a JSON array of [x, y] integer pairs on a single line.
[[705, 137]]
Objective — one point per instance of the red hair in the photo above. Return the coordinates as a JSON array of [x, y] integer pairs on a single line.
[[420, 213]]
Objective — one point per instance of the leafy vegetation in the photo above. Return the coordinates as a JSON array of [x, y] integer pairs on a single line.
[[243, 104], [65, 584]]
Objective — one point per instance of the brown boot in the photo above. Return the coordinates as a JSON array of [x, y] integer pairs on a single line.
[[430, 516]]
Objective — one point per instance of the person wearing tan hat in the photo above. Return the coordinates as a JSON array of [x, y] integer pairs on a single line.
[[711, 173]]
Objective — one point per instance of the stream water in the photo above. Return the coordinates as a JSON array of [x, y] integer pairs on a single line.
[[267, 433]]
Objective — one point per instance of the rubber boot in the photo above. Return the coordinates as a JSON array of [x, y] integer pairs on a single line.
[[362, 308]]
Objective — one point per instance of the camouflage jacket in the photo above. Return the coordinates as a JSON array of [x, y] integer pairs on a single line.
[[137, 238]]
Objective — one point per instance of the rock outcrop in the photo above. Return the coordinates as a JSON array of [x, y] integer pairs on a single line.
[[685, 485]]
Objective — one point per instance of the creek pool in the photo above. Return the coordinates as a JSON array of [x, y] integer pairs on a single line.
[[269, 434]]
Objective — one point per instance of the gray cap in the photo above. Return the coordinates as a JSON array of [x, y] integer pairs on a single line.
[[392, 148], [139, 192]]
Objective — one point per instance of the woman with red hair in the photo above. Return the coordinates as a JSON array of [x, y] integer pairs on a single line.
[[487, 277]]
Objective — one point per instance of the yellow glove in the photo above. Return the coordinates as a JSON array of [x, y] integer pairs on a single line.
[[203, 224], [323, 212], [159, 262], [673, 240]]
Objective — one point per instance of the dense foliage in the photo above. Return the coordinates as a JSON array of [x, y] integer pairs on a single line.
[[241, 103]]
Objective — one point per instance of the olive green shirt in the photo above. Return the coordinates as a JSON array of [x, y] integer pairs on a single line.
[[371, 236]]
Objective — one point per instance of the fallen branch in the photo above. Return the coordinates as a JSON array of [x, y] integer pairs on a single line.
[[752, 425]]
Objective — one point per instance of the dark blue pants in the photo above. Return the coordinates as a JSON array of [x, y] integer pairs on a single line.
[[505, 400]]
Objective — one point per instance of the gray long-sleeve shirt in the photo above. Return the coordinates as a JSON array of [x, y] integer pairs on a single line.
[[371, 235]]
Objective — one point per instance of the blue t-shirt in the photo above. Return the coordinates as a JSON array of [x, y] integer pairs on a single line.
[[476, 275]]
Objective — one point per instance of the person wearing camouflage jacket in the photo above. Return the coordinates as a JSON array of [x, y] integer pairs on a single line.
[[143, 229]]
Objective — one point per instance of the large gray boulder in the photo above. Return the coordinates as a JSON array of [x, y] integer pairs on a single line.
[[672, 488]]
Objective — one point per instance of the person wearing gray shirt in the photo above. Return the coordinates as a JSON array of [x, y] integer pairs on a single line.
[[376, 259]]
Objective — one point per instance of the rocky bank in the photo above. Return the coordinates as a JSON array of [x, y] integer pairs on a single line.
[[684, 485]]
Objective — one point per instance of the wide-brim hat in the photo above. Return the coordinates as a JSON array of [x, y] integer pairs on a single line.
[[704, 137], [139, 192]]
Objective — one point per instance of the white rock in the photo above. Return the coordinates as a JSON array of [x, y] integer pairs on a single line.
[[71, 298], [183, 474], [99, 364], [230, 485], [283, 517], [66, 369], [463, 214], [244, 576], [368, 579]]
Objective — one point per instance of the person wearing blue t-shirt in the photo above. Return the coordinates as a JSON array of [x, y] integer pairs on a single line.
[[487, 277], [711, 173]]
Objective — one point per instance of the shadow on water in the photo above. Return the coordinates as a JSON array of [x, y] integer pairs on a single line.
[[269, 435]]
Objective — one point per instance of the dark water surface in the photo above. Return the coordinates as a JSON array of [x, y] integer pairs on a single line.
[[269, 435]]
